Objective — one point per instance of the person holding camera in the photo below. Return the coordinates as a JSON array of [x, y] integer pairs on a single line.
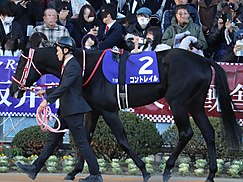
[[86, 23], [226, 22], [236, 56], [30, 14]]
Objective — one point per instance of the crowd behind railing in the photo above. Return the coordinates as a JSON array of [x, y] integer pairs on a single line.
[[210, 28]]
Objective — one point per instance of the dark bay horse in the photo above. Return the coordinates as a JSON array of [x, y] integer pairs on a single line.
[[184, 82]]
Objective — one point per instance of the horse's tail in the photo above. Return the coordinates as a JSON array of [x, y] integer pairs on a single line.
[[233, 131]]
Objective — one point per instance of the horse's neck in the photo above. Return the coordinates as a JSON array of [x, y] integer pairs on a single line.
[[47, 59]]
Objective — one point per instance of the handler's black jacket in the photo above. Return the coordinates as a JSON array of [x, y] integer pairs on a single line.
[[69, 91]]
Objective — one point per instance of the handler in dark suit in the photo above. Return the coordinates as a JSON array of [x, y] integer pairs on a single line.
[[109, 35], [72, 107]]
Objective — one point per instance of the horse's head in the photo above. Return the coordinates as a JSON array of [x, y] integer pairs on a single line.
[[29, 70]]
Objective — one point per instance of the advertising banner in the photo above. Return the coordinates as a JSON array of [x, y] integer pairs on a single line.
[[158, 111]]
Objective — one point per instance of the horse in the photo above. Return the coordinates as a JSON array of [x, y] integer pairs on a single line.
[[184, 82]]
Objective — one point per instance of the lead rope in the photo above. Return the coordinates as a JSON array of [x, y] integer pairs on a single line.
[[42, 118]]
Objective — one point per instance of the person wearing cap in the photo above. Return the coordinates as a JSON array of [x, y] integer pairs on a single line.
[[70, 113], [138, 29], [110, 34], [64, 19]]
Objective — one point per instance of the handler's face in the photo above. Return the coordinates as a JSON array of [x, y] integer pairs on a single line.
[[59, 53]]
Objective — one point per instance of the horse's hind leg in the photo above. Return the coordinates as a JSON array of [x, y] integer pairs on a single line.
[[207, 131], [91, 119], [185, 134], [115, 124]]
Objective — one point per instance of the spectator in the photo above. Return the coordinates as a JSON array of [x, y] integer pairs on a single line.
[[76, 7], [30, 14], [138, 28], [111, 34], [170, 13], [226, 21], [127, 7], [236, 56], [153, 39], [50, 27], [37, 39], [153, 5], [63, 19], [10, 46], [58, 5], [86, 23], [182, 25], [9, 28], [90, 42], [207, 10]]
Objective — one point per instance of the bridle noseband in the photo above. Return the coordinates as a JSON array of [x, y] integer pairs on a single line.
[[26, 71]]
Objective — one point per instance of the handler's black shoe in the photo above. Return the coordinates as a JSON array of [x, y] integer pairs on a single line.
[[28, 169], [92, 178]]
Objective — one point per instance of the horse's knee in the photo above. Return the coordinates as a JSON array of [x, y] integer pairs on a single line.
[[186, 136]]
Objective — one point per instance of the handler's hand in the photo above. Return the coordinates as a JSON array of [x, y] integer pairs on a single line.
[[43, 104], [41, 93]]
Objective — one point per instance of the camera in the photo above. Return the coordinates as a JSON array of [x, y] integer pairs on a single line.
[[225, 16]]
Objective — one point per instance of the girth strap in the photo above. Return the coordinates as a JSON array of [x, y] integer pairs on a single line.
[[122, 86]]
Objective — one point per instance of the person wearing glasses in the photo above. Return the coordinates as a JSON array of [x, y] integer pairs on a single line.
[[170, 13], [181, 26]]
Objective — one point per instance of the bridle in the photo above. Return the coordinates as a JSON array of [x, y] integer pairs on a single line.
[[26, 71]]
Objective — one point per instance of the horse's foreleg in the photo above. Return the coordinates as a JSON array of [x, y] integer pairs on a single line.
[[91, 119], [207, 131], [113, 121], [185, 134]]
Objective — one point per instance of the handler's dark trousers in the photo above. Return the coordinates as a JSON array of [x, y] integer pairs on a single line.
[[75, 124]]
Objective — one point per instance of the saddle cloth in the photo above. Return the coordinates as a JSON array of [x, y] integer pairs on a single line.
[[140, 68]]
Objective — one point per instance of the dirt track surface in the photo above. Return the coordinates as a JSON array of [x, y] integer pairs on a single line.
[[45, 177]]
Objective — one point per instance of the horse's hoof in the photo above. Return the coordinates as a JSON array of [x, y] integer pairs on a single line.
[[166, 177], [147, 177], [69, 178], [207, 180]]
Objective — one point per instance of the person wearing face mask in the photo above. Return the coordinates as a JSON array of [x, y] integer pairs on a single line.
[[143, 17], [182, 25], [8, 26], [86, 23]]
